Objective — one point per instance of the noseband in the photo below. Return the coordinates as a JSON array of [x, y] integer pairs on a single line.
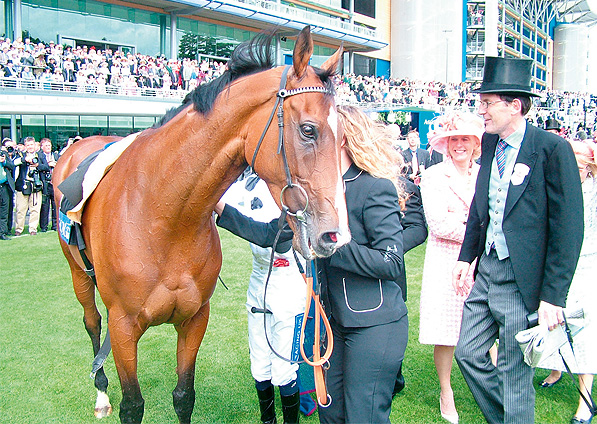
[[280, 96]]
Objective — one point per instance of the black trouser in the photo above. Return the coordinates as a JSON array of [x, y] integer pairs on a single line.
[[5, 205], [47, 203]]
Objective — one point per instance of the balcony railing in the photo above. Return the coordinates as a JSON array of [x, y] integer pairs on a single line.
[[475, 47], [36, 86], [317, 18]]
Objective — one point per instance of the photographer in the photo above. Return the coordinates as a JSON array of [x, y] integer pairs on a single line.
[[10, 147], [29, 186], [48, 204], [7, 188]]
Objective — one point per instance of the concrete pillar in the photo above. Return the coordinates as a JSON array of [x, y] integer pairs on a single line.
[[173, 42], [17, 20], [13, 128]]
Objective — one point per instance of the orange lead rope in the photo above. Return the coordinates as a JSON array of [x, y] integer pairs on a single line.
[[318, 361]]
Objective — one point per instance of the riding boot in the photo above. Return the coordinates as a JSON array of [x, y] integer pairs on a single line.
[[290, 408], [267, 405]]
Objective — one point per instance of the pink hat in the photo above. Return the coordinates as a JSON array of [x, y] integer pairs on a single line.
[[454, 123], [585, 153]]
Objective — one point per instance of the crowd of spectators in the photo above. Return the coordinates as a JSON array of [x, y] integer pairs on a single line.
[[53, 66], [57, 67]]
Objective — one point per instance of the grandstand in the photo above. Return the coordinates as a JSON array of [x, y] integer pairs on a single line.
[[437, 47]]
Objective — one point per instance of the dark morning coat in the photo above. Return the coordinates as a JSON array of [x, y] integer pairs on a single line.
[[543, 218]]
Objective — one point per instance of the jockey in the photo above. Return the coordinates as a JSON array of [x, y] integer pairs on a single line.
[[286, 294]]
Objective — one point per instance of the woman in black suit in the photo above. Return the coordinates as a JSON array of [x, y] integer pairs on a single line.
[[360, 286], [361, 282]]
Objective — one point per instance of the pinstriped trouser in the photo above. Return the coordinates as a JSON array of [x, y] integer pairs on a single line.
[[495, 309]]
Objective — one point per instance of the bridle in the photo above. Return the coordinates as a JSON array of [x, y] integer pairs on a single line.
[[318, 362], [282, 94]]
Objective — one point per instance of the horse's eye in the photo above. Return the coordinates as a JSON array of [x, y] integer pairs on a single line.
[[308, 131]]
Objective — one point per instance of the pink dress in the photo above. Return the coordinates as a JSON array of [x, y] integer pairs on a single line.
[[446, 198]]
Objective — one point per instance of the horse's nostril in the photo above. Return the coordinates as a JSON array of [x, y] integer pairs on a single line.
[[330, 237]]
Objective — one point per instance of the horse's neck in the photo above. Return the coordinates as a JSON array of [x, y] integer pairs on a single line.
[[207, 152]]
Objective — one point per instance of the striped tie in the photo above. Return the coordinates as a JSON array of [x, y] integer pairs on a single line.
[[500, 156]]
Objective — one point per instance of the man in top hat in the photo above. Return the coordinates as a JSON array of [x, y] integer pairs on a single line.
[[552, 125], [525, 228]]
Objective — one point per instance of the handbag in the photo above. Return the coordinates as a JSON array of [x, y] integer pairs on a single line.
[[538, 343]]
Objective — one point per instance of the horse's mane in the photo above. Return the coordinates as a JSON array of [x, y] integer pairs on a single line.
[[248, 58]]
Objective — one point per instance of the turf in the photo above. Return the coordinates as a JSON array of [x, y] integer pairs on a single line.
[[45, 353]]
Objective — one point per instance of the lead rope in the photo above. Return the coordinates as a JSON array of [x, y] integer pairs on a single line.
[[319, 363]]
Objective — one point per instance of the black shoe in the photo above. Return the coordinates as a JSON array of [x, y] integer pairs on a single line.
[[547, 385], [4, 237], [576, 420]]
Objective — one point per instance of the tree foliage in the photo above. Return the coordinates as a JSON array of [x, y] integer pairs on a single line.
[[192, 45]]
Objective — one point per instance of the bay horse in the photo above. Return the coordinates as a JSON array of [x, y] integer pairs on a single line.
[[148, 226]]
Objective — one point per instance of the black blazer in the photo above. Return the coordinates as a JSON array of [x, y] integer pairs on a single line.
[[9, 169], [360, 281], [414, 226], [543, 218], [423, 159], [42, 167]]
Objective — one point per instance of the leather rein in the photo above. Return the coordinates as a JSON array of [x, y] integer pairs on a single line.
[[318, 362]]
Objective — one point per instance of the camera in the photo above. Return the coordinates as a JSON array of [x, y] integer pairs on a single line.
[[34, 160], [35, 179], [10, 149]]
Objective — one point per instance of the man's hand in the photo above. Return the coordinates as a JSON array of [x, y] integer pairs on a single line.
[[551, 315], [459, 282], [219, 208]]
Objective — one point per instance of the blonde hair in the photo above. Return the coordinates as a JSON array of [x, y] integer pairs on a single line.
[[370, 146]]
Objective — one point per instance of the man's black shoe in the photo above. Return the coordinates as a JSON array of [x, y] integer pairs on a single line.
[[4, 237]]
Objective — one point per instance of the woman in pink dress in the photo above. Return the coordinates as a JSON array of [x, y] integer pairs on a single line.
[[447, 189]]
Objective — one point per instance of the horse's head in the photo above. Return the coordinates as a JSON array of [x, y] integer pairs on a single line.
[[303, 169]]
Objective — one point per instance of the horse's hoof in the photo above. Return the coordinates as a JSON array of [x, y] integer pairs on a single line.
[[103, 412], [102, 405]]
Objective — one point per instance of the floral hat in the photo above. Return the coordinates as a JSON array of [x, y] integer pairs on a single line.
[[454, 123]]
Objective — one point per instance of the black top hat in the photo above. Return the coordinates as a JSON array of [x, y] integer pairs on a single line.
[[552, 124], [505, 75]]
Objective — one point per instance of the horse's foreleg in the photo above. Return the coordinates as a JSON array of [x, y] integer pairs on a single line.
[[190, 335], [124, 335], [85, 292]]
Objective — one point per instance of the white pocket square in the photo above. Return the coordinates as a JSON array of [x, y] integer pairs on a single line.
[[519, 173]]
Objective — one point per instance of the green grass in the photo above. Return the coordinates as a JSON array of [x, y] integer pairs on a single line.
[[45, 353]]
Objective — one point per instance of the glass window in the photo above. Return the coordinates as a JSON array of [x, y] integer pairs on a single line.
[[93, 21], [93, 125], [120, 125], [58, 127], [143, 122], [2, 18]]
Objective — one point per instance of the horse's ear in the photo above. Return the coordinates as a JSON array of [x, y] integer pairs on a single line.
[[331, 64], [303, 49]]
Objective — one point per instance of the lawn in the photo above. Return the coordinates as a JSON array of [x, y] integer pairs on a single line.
[[45, 353]]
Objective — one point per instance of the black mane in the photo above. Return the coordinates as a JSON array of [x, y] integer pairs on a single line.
[[248, 58]]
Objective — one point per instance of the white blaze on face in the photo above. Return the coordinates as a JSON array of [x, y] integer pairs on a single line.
[[333, 121], [344, 235]]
